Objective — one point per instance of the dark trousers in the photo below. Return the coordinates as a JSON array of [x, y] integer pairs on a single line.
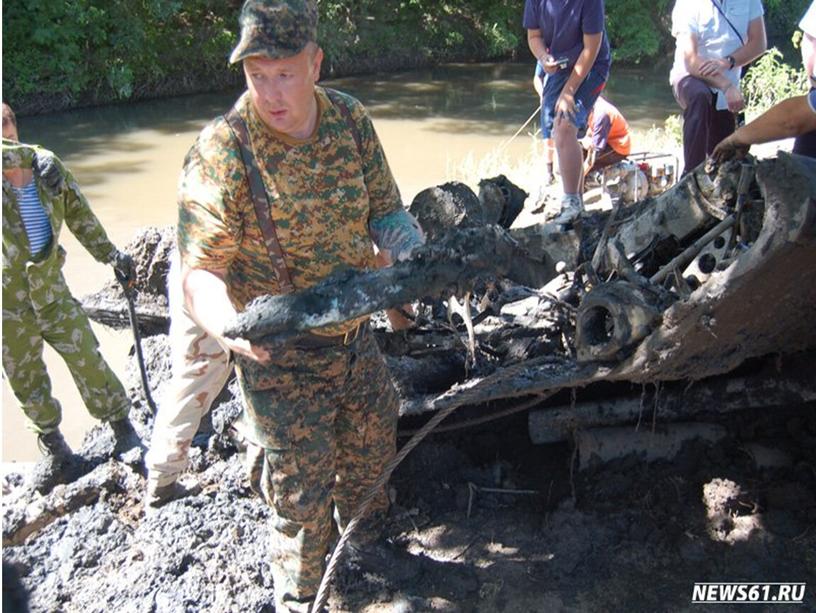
[[703, 125], [806, 143]]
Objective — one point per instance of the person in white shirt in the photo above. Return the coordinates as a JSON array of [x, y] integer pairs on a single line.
[[805, 144], [715, 38]]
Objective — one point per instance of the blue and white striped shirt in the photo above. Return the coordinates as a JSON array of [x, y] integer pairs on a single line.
[[35, 220]]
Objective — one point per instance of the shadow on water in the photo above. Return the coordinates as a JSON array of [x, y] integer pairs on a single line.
[[97, 130], [472, 99]]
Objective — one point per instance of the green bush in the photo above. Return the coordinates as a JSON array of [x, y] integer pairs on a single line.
[[673, 126], [358, 33], [771, 80], [87, 51], [782, 16], [637, 28]]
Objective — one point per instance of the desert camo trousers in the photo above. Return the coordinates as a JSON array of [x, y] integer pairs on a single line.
[[200, 367], [328, 419], [64, 325]]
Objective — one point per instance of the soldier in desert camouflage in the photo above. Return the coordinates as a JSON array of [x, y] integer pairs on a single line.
[[321, 410], [39, 194]]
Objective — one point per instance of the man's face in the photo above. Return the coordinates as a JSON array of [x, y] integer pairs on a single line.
[[282, 91], [9, 129]]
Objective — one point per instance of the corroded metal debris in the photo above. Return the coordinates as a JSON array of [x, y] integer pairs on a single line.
[[454, 261], [704, 317]]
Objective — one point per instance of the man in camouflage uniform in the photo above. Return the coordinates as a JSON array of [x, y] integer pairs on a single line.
[[37, 304], [321, 408], [200, 367]]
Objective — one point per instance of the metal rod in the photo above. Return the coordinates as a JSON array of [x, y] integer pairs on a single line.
[[689, 254], [137, 340], [743, 187], [524, 125]]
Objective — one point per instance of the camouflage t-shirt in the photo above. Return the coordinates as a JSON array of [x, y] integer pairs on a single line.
[[67, 204], [322, 197]]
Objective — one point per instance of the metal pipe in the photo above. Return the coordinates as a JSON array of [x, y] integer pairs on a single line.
[[691, 252]]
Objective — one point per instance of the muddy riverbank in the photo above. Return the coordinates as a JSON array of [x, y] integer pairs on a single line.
[[482, 518], [482, 521]]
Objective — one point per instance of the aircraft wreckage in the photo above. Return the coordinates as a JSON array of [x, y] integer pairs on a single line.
[[681, 287]]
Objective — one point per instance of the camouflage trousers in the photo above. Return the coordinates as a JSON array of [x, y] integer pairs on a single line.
[[64, 325], [323, 423], [200, 367]]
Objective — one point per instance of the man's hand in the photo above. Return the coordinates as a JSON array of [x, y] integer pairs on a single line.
[[565, 107], [711, 67], [549, 64], [205, 293], [733, 96], [125, 269], [243, 347], [730, 147], [47, 170], [396, 235]]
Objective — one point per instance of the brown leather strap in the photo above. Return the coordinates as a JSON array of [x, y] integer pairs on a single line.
[[338, 101], [260, 201]]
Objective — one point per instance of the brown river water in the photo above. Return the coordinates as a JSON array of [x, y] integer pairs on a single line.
[[435, 125]]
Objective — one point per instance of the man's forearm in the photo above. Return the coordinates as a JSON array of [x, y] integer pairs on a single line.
[[718, 80], [18, 155], [592, 45], [536, 44], [789, 118], [590, 158], [749, 52], [206, 296], [695, 63], [755, 46]]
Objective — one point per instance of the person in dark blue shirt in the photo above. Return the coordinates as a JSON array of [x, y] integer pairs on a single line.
[[568, 38]]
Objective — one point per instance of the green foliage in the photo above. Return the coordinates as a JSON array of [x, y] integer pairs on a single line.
[[641, 29], [673, 127], [355, 32], [635, 28], [771, 80], [58, 54], [88, 50], [782, 16]]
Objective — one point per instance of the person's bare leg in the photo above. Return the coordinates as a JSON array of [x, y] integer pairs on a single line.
[[549, 156], [570, 158], [570, 163]]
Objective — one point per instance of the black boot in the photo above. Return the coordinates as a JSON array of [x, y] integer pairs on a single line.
[[53, 444], [128, 444], [57, 457]]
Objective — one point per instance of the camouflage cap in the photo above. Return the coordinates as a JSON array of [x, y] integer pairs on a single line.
[[275, 28]]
